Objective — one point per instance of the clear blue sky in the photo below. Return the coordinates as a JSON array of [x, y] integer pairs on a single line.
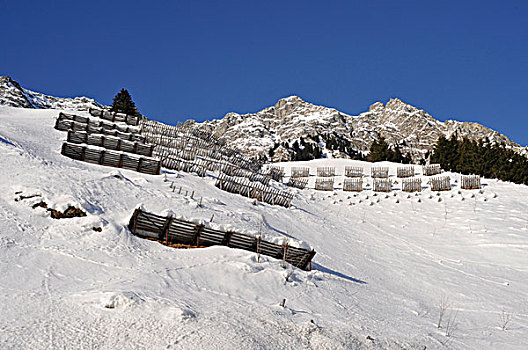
[[464, 60]]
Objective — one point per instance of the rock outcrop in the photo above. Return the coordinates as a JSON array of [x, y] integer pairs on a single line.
[[14, 95]]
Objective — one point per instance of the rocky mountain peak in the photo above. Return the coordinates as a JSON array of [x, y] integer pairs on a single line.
[[292, 119]]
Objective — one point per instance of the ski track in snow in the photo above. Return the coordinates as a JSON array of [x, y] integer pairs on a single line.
[[383, 263]]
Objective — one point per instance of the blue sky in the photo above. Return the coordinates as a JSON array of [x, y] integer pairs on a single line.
[[464, 60]]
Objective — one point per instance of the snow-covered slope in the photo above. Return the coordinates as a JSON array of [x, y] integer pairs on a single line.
[[14, 95], [414, 130], [383, 263]]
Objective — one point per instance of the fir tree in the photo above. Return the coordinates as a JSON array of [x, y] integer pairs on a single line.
[[379, 151], [123, 103]]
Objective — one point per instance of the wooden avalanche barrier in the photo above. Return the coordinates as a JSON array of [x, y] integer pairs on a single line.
[[186, 143], [470, 182], [431, 169], [441, 183], [298, 182], [172, 231], [114, 116], [240, 172], [326, 171], [110, 142], [382, 185], [353, 171], [113, 159], [324, 184], [353, 184], [406, 171], [66, 122], [412, 185], [300, 172], [276, 173], [197, 166], [379, 172], [261, 192]]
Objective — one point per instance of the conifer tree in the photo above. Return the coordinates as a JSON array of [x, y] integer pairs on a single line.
[[123, 103], [379, 151]]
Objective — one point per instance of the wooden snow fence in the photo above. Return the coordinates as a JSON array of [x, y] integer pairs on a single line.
[[298, 182], [353, 171], [257, 190], [382, 185], [115, 117], [235, 156], [470, 182], [66, 122], [379, 172], [209, 137], [173, 231], [276, 173], [412, 185], [440, 183], [431, 169], [204, 143], [326, 171], [197, 166], [232, 170], [406, 171], [353, 184], [185, 154], [299, 172], [113, 159], [110, 142], [152, 128], [324, 184]]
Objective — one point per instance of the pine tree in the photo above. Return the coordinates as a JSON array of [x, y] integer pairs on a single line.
[[123, 103], [379, 151]]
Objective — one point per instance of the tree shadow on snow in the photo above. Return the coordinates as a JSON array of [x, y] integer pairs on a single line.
[[321, 268]]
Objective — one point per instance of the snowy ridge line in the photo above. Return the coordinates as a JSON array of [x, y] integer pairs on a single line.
[[173, 231], [113, 159]]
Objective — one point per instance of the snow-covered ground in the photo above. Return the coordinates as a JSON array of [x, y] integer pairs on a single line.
[[383, 263]]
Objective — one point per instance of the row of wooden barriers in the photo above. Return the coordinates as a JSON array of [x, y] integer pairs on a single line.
[[176, 232]]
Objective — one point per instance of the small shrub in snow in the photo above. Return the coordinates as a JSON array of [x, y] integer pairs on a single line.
[[505, 319]]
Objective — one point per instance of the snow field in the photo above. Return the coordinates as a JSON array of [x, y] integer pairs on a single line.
[[383, 262]]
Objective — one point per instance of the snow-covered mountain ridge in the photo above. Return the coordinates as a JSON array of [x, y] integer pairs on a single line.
[[414, 130], [14, 95]]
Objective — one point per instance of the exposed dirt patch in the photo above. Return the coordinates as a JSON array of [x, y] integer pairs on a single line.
[[70, 212]]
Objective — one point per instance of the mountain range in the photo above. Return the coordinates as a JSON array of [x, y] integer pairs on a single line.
[[271, 132]]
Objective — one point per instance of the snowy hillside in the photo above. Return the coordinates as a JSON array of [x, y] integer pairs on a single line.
[[14, 95], [384, 263]]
